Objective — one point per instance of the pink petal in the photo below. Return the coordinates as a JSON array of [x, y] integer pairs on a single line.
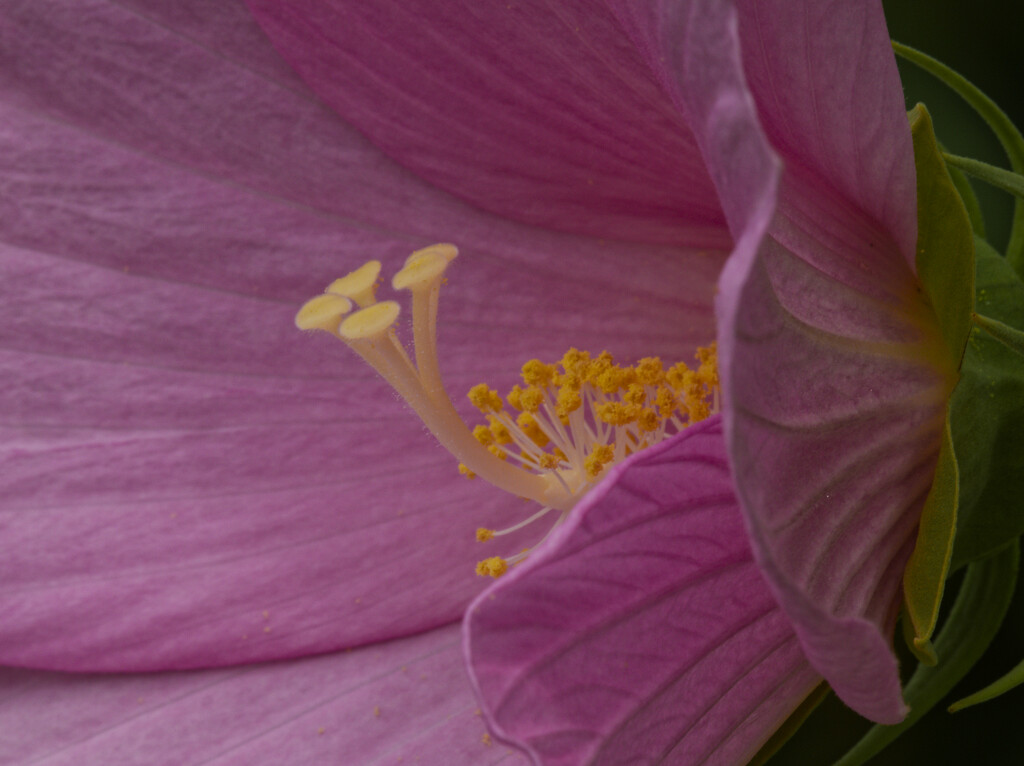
[[540, 112], [834, 382], [405, 700], [644, 632], [179, 460]]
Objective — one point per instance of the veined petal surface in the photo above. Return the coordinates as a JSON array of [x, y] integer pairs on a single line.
[[833, 375], [401, 701], [179, 459], [554, 99], [644, 632]]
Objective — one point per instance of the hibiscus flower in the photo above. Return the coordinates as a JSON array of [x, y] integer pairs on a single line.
[[192, 485]]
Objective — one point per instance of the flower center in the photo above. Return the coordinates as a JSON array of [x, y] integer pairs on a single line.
[[561, 430]]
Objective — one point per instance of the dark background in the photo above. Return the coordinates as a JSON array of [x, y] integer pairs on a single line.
[[984, 41]]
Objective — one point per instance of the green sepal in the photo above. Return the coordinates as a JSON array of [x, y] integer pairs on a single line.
[[945, 266], [973, 622], [1012, 339], [988, 419], [990, 174], [996, 119]]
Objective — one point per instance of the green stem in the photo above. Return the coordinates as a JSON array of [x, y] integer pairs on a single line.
[[990, 174], [1005, 130]]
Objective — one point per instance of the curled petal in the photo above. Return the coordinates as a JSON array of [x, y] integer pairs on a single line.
[[645, 632], [833, 371]]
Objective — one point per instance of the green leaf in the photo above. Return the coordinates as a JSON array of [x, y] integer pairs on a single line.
[[988, 419], [990, 174], [945, 266], [973, 622], [1011, 680], [1005, 130]]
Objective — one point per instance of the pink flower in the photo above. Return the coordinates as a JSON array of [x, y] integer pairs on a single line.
[[191, 485]]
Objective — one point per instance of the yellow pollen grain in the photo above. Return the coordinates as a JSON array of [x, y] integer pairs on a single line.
[[466, 472], [376, 711], [486, 739]]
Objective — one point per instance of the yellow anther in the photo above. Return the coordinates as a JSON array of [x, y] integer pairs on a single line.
[[359, 285], [483, 535], [598, 459], [695, 397], [369, 322], [485, 399], [445, 250], [528, 423], [548, 461], [575, 362], [610, 380], [708, 370], [495, 450], [635, 394], [676, 376], [514, 398], [617, 413], [666, 402], [531, 399], [500, 431], [649, 371], [648, 420], [536, 373], [598, 366], [324, 312], [466, 472], [483, 435], [420, 272], [492, 567], [568, 400]]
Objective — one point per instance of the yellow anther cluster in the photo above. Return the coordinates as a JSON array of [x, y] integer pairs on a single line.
[[586, 411], [492, 567]]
